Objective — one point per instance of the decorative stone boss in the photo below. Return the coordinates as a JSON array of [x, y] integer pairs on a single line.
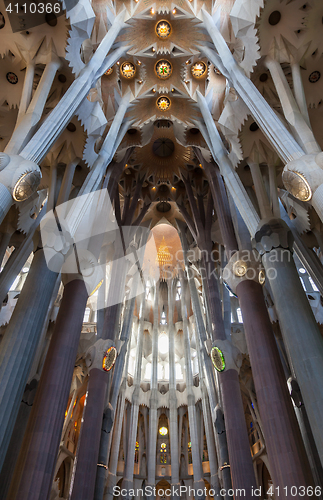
[[303, 178], [21, 177]]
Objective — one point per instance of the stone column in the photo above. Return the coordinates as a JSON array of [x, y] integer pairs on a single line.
[[20, 343], [274, 242], [306, 431], [196, 458], [211, 446], [35, 466], [214, 480], [302, 175], [87, 456], [115, 446], [34, 111], [56, 122], [36, 463], [119, 372], [128, 473], [245, 277], [173, 424], [206, 364], [288, 463], [153, 417], [242, 472], [300, 128]]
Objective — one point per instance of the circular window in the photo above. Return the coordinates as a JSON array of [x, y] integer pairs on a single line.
[[109, 72], [314, 76], [71, 127], [253, 127], [263, 77], [274, 18], [51, 19], [12, 78], [163, 431]]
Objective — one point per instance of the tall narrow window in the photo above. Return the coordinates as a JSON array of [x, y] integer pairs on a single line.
[[163, 318], [178, 291], [239, 314], [87, 315]]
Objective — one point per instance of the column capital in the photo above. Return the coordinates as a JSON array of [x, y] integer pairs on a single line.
[[102, 355], [270, 234], [243, 266]]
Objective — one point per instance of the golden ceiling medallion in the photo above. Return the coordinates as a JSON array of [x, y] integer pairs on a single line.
[[163, 103], [163, 29], [109, 72], [163, 69], [128, 70], [199, 69]]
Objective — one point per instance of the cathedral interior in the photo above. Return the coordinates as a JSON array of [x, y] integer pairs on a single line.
[[161, 249]]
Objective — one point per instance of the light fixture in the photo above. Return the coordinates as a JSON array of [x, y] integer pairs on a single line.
[[174, 11], [152, 10], [25, 269]]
